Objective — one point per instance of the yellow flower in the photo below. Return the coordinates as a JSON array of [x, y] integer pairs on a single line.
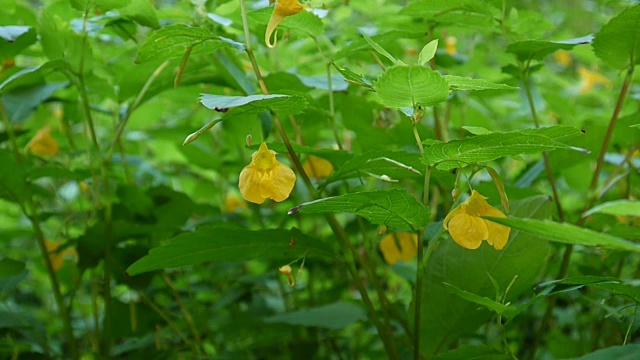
[[288, 272], [266, 178], [468, 229], [405, 248], [57, 257], [563, 57], [591, 79], [233, 203], [450, 45], [43, 144], [282, 9], [317, 167]]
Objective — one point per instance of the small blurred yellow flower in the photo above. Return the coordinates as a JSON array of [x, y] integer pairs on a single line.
[[317, 167], [563, 57], [43, 144], [288, 272], [590, 79], [468, 229], [233, 203], [282, 9], [450, 45], [266, 178], [57, 257], [404, 249]]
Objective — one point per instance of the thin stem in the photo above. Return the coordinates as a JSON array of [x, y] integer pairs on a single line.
[[547, 166], [187, 315], [31, 212], [332, 112]]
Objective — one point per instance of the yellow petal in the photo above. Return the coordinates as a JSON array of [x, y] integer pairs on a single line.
[[498, 234], [468, 231], [249, 185], [282, 9], [43, 144], [389, 249], [317, 167], [233, 203], [408, 245], [277, 184], [457, 210]]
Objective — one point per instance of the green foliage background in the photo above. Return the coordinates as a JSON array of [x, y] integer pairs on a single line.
[[157, 106]]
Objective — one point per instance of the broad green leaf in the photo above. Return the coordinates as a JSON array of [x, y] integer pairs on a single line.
[[219, 244], [21, 102], [618, 42], [353, 78], [380, 50], [481, 148], [617, 207], [338, 315], [30, 75], [568, 234], [17, 39], [173, 41], [142, 12], [537, 49], [475, 352], [395, 208], [10, 267], [625, 231], [428, 52], [468, 84], [408, 86], [445, 316], [621, 352], [387, 37], [276, 102]]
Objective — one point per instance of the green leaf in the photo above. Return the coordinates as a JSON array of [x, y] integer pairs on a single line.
[[621, 352], [537, 49], [218, 244], [17, 39], [142, 12], [173, 41], [428, 52], [304, 21], [445, 316], [352, 77], [30, 75], [490, 304], [567, 233], [10, 268], [381, 50], [610, 284], [21, 102], [408, 86], [468, 84], [276, 102], [618, 42], [13, 185], [387, 37], [481, 148], [396, 207], [617, 207], [335, 316]]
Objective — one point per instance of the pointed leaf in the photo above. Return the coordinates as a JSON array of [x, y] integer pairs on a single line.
[[216, 244], [353, 78], [428, 52], [621, 352], [29, 75], [481, 148], [568, 234], [332, 316], [468, 84], [396, 208], [617, 207], [407, 86], [277, 102], [381, 50], [618, 42], [538, 49]]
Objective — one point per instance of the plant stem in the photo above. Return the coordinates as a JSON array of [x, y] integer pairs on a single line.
[[187, 315], [31, 212], [350, 252]]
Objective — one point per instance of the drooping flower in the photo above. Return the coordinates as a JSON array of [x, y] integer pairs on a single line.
[[43, 144], [266, 178], [589, 79], [57, 257], [469, 229], [282, 9], [563, 57], [288, 272], [317, 167], [233, 203], [404, 249], [450, 45]]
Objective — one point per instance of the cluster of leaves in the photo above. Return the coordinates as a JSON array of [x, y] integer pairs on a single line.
[[126, 124]]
